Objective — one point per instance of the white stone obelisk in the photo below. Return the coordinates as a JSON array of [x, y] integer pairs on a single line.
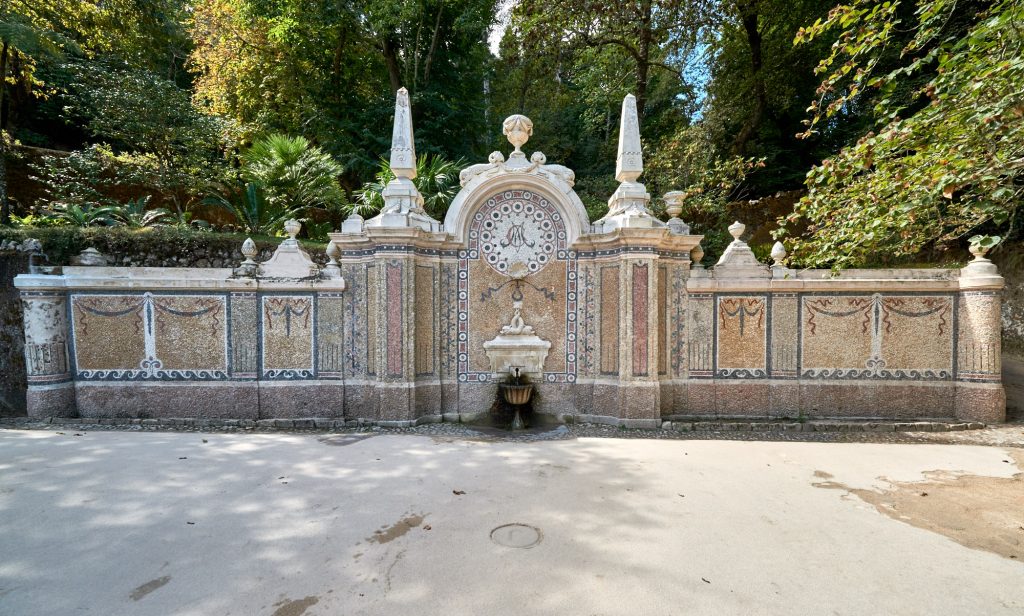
[[627, 207], [403, 203]]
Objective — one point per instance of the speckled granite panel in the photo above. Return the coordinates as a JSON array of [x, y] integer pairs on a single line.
[[742, 336], [226, 399], [288, 323], [108, 332], [837, 334], [191, 332]]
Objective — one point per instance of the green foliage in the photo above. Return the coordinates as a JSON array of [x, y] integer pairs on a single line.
[[150, 247], [689, 161], [294, 173], [78, 179], [932, 174], [75, 215], [167, 144], [254, 212], [437, 180], [136, 213]]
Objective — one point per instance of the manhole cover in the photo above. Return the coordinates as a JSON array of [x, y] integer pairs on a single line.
[[520, 536]]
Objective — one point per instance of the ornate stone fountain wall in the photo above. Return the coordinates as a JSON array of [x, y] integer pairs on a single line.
[[394, 330]]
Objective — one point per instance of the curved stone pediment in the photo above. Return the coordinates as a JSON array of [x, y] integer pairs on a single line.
[[485, 181]]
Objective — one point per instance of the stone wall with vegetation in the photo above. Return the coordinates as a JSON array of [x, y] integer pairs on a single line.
[[12, 342]]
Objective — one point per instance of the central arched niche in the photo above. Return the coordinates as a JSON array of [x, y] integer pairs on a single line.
[[517, 222]]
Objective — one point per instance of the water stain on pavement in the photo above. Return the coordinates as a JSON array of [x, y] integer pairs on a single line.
[[388, 534], [341, 440], [149, 587], [978, 512], [297, 607]]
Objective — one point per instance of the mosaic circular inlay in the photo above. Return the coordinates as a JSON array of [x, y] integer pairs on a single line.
[[518, 232]]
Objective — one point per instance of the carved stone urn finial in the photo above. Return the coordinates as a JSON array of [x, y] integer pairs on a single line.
[[292, 227], [674, 202], [518, 129], [778, 254], [696, 254], [736, 229], [249, 251]]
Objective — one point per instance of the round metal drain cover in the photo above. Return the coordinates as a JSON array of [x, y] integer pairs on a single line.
[[520, 536]]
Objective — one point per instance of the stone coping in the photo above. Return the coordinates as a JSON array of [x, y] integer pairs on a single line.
[[328, 425]]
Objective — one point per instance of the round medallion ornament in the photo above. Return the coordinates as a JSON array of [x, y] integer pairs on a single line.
[[518, 232]]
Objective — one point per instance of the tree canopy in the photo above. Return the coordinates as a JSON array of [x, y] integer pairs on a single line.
[[893, 127]]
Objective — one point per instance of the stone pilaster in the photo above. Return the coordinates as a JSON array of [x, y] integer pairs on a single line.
[[636, 299], [51, 389], [979, 390]]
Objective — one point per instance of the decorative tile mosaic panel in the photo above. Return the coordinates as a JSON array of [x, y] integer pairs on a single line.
[[150, 336], [357, 332], [449, 320], [978, 340], [700, 356], [190, 333], [742, 336], [372, 333], [517, 251], [610, 319], [785, 335], [678, 321], [245, 343], [587, 321], [330, 335], [425, 311], [288, 334], [394, 331], [877, 337], [663, 298], [641, 316]]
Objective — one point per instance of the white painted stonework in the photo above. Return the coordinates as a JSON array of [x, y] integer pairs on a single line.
[[517, 346]]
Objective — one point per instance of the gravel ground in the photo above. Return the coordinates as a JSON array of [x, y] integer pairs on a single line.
[[1003, 435]]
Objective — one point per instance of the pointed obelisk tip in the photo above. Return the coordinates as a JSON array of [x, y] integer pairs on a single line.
[[403, 146], [629, 163]]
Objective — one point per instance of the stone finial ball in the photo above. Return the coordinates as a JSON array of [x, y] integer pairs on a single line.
[[736, 229], [518, 129]]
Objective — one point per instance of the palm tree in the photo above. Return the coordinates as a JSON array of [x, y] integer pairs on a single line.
[[293, 173], [437, 179], [252, 209], [134, 213]]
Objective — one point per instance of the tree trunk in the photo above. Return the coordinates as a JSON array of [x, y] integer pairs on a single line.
[[5, 205], [748, 14], [390, 51], [433, 46], [643, 62]]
